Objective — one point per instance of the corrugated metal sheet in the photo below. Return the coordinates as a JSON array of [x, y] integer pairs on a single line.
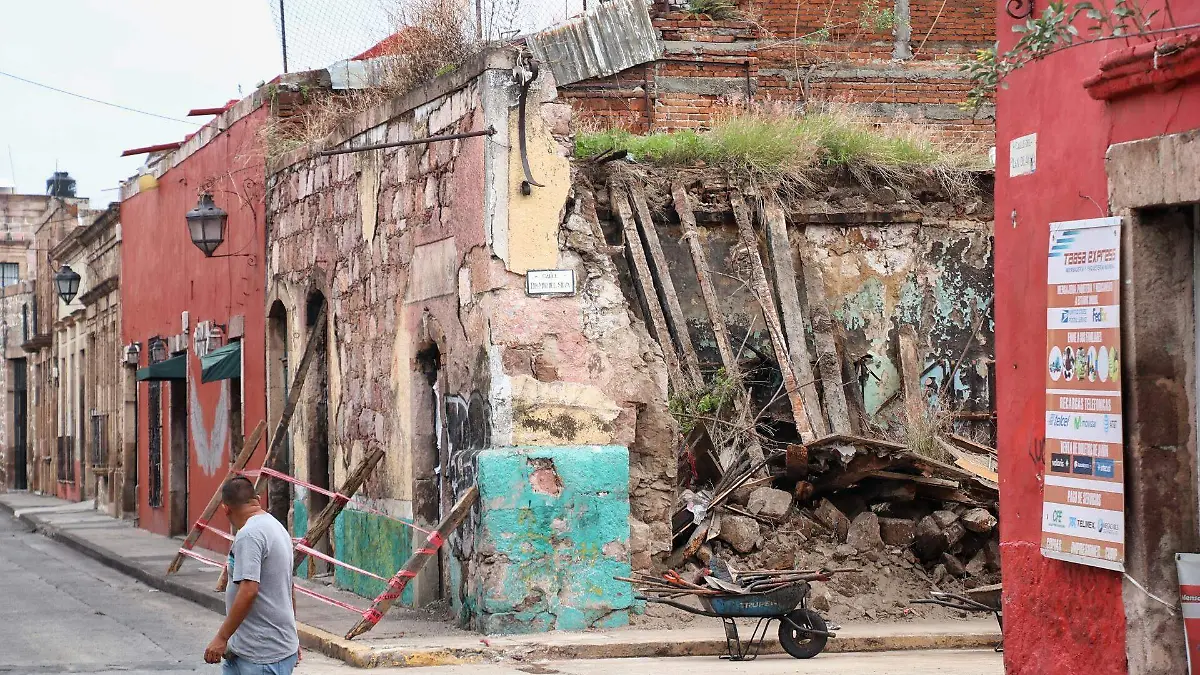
[[608, 39]]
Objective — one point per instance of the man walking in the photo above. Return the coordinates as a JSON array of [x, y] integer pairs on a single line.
[[258, 636]]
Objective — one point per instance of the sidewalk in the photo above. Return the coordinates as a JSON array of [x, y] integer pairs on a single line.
[[408, 637]]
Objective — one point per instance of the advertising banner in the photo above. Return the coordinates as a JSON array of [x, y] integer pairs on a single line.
[[1189, 599], [1083, 506]]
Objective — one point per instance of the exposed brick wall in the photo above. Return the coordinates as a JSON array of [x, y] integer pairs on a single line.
[[788, 58]]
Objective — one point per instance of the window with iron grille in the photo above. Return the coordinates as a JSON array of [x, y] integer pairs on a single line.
[[10, 274], [158, 353], [61, 456]]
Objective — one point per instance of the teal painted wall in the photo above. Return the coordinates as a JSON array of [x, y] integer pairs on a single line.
[[554, 531], [374, 543]]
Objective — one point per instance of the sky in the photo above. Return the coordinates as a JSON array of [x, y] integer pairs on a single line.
[[160, 56], [166, 57]]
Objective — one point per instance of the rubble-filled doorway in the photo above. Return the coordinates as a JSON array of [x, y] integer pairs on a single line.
[[319, 468], [278, 379], [428, 461]]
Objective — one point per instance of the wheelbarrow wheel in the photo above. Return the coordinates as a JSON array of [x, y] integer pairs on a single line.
[[798, 644]]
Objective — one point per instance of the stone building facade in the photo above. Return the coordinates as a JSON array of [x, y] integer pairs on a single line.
[[438, 351], [87, 336]]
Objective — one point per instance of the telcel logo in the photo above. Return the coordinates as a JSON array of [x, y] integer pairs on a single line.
[[1059, 420]]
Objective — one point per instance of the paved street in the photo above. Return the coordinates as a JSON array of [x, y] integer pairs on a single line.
[[63, 612]]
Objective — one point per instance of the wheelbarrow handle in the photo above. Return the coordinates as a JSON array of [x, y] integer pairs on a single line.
[[677, 605]]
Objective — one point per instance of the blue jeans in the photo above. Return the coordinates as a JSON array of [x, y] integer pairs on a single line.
[[236, 665]]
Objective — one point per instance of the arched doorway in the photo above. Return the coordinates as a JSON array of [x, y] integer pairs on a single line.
[[279, 379], [319, 467]]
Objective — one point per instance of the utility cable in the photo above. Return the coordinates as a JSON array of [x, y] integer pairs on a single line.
[[95, 100]]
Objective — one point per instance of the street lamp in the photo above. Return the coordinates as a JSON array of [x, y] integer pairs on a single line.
[[66, 281], [206, 225]]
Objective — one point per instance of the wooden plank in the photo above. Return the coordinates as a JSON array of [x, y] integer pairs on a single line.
[[414, 563], [918, 480], [971, 446], [829, 362], [318, 527], [704, 276], [316, 337], [780, 251], [766, 302], [238, 464], [910, 363], [674, 311], [641, 274]]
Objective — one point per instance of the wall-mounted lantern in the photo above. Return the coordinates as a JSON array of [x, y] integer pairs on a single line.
[[66, 281], [206, 225]]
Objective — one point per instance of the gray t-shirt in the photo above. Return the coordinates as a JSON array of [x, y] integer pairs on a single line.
[[262, 552]]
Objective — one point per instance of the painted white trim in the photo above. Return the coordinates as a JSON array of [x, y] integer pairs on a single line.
[[1083, 560], [1085, 484]]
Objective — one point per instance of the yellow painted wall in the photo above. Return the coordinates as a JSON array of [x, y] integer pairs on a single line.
[[533, 219]]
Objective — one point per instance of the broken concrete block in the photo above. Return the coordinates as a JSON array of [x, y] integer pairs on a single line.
[[828, 515], [864, 533], [979, 520], [844, 551], [928, 542], [819, 598], [954, 565], [740, 532], [978, 564], [769, 503], [944, 518], [992, 552], [897, 531]]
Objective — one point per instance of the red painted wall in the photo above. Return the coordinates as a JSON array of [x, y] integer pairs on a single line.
[[164, 274], [1059, 617]]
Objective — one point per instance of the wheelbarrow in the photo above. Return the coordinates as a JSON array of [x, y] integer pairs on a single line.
[[802, 632]]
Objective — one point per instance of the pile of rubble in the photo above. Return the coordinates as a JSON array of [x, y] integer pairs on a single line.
[[908, 525]]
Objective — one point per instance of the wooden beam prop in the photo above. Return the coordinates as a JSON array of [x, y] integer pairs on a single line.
[[674, 311], [641, 273], [829, 362], [766, 302], [316, 337], [780, 251], [201, 523], [415, 562], [318, 527], [704, 276]]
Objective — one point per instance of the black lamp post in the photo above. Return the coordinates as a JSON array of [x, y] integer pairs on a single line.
[[206, 225], [66, 281]]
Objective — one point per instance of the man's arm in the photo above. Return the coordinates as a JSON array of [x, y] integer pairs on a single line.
[[246, 595]]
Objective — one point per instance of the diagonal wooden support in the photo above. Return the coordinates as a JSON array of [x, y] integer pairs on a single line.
[[198, 527], [316, 337], [415, 562], [766, 302], [319, 526]]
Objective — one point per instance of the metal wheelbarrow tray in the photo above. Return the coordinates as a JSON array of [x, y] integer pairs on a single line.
[[802, 632]]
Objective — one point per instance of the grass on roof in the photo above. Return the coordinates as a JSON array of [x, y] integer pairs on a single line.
[[786, 147]]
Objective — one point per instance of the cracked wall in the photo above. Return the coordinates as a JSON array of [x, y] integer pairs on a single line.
[[435, 351]]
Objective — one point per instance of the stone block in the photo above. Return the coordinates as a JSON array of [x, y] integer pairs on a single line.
[[979, 520], [740, 532], [897, 531], [831, 517], [769, 503], [864, 533]]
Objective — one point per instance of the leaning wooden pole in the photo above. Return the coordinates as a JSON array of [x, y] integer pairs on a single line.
[[641, 274], [766, 302], [201, 523], [316, 338], [780, 251], [674, 311], [415, 562], [704, 276], [319, 526]]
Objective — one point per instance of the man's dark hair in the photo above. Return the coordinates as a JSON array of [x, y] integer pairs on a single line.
[[238, 491]]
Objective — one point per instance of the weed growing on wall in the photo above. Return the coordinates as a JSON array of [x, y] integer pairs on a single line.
[[785, 147]]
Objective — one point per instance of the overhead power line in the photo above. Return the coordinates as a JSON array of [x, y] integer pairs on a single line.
[[95, 100]]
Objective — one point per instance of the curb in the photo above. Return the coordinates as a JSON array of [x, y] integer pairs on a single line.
[[361, 656]]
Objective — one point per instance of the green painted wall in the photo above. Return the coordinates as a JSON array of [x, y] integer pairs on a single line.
[[554, 522], [374, 543]]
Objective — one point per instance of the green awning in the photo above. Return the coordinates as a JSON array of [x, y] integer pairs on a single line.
[[222, 364], [174, 368]]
